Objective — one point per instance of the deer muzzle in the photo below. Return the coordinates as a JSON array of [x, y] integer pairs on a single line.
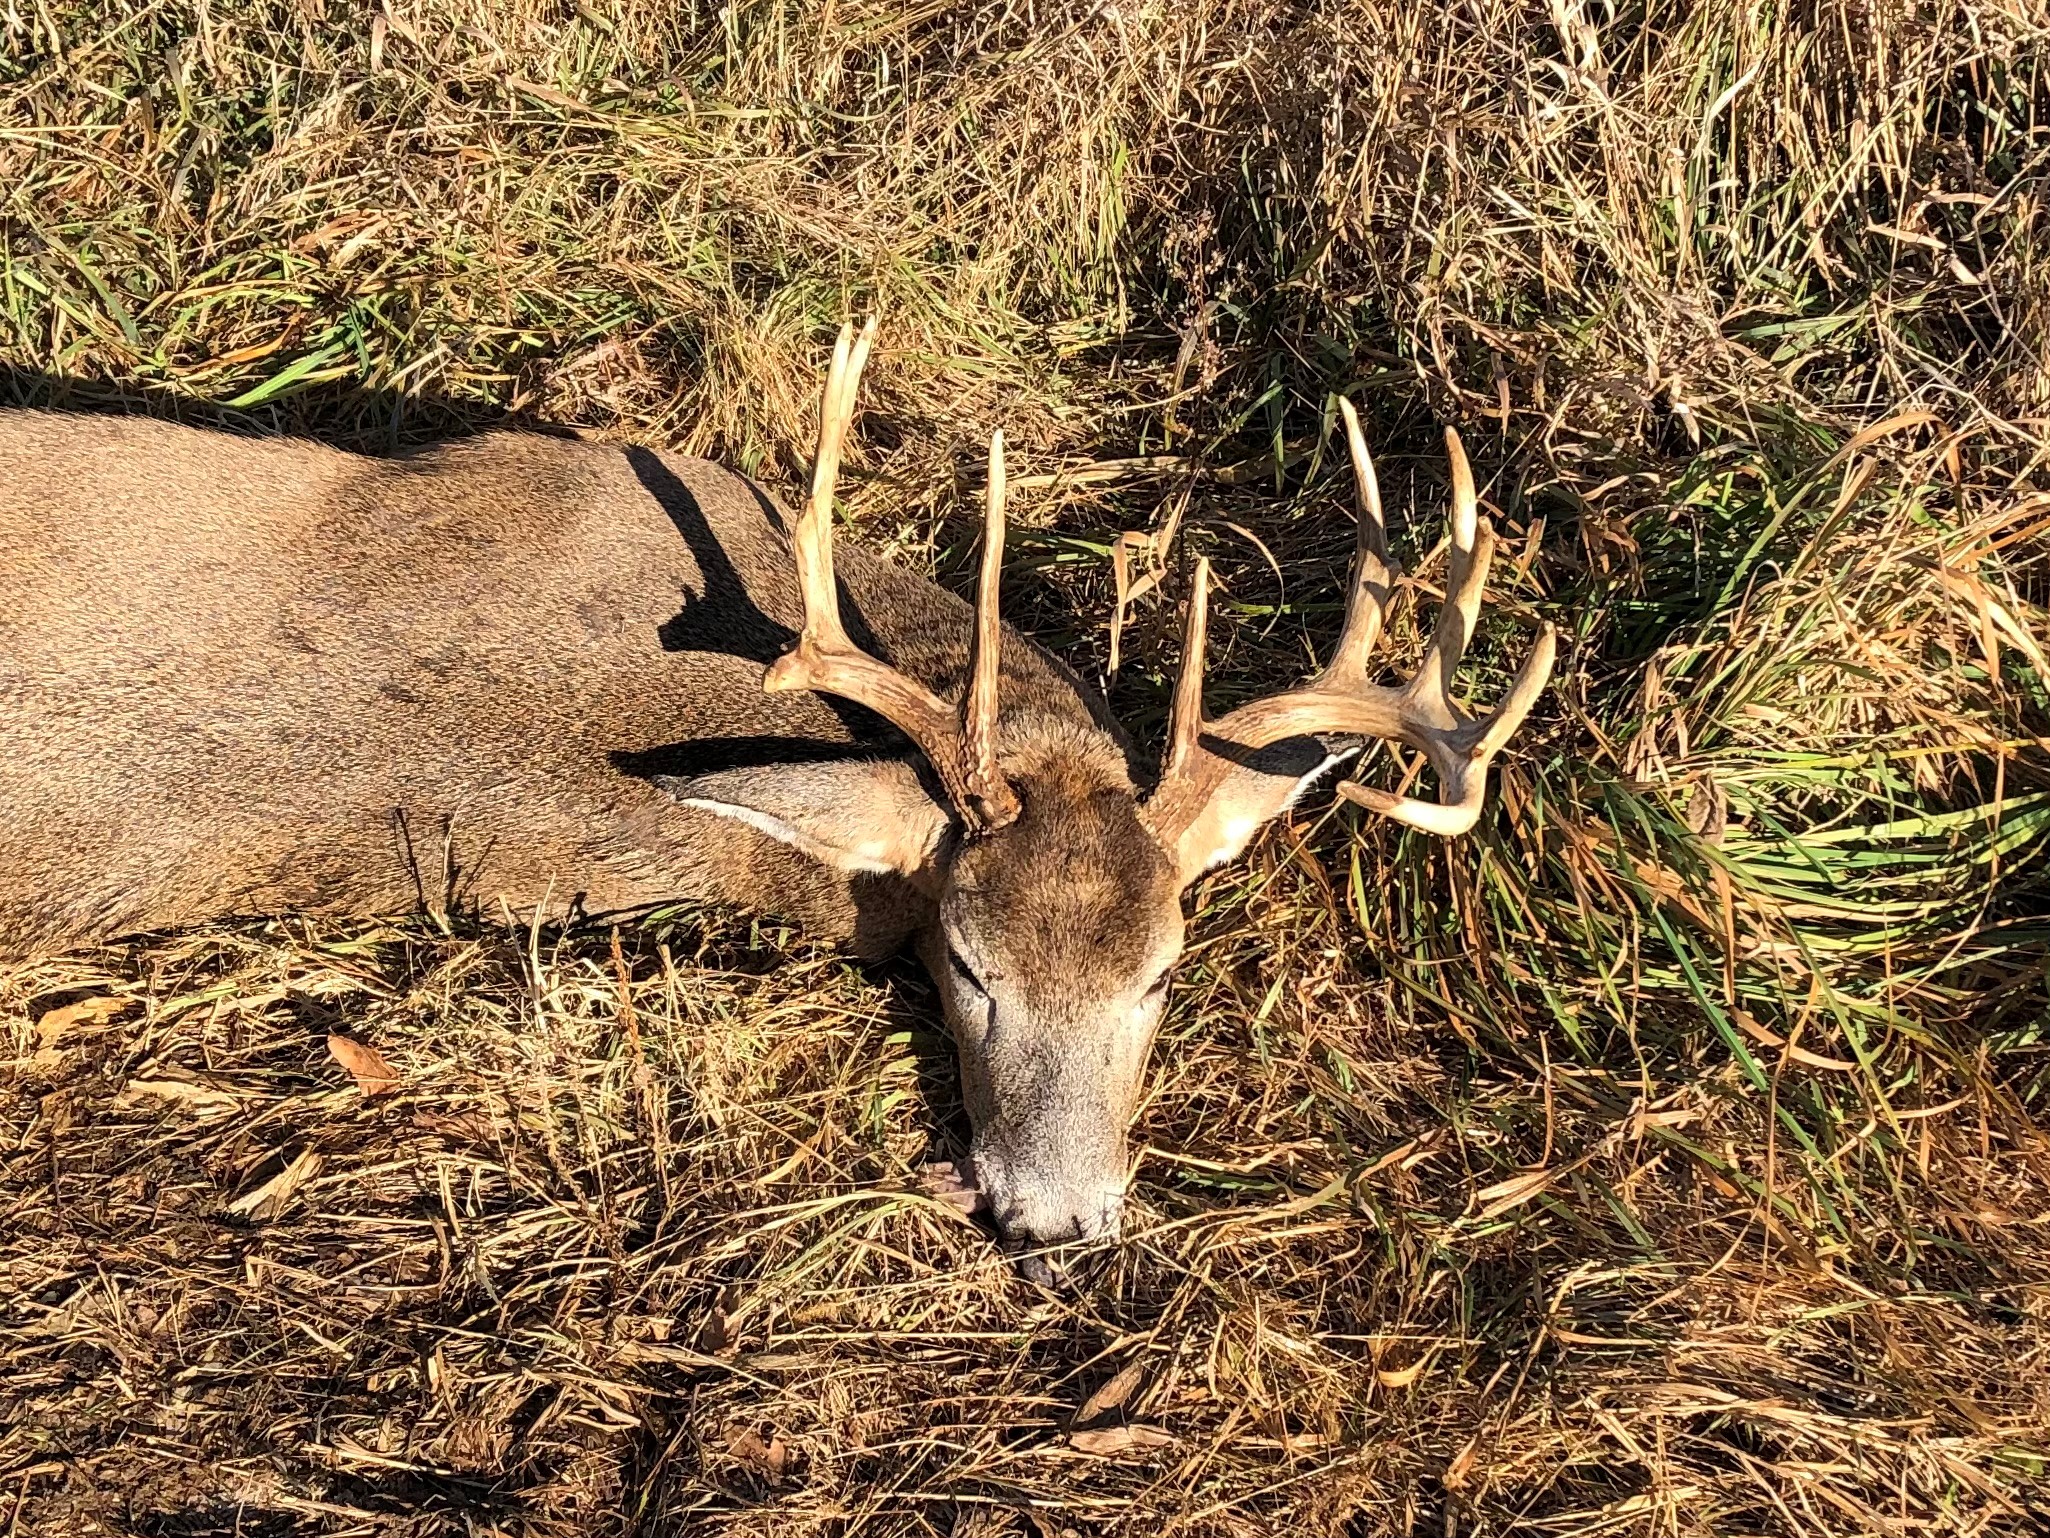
[[1052, 1193]]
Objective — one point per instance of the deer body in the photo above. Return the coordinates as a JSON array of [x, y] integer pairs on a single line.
[[525, 675], [259, 676]]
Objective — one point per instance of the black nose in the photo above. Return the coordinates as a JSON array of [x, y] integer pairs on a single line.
[[1042, 1271], [1065, 1267]]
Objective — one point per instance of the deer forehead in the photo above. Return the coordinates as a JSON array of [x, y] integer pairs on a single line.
[[1076, 892]]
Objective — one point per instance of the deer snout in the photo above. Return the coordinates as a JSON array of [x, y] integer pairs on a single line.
[[1041, 1206]]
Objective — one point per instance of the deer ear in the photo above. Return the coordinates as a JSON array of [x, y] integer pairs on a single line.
[[1252, 795], [867, 815]]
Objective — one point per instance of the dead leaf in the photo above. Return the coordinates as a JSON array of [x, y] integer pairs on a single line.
[[269, 1199], [1678, 1117], [373, 1075], [253, 351], [52, 1026], [1113, 1394], [1131, 543], [718, 1336], [1995, 620], [1394, 1156], [1401, 1377], [201, 1096], [400, 25], [335, 231], [43, 1063], [547, 94], [1116, 1441], [1513, 1192], [771, 1457], [1867, 436]]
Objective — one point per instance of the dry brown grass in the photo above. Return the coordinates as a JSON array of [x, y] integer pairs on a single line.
[[1665, 1159]]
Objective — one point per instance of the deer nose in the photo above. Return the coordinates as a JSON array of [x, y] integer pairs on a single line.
[[1066, 1261], [1042, 1212]]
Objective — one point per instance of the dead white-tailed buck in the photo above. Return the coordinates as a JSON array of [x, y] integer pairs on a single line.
[[521, 674]]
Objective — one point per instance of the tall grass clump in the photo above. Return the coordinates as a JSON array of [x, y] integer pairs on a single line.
[[1664, 1158]]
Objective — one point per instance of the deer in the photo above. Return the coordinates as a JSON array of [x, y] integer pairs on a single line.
[[549, 679]]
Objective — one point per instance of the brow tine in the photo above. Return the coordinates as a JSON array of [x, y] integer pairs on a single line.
[[1185, 718], [813, 540]]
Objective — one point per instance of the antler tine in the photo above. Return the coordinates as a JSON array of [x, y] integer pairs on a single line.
[[827, 661], [1466, 578], [1185, 714], [812, 539], [979, 703], [1373, 575]]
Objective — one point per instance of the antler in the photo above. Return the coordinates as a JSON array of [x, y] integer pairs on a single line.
[[960, 745], [1421, 713]]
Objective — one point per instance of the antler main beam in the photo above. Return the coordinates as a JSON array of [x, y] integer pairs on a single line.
[[1421, 713], [960, 745]]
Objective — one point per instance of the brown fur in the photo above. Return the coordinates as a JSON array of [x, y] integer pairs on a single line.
[[249, 676]]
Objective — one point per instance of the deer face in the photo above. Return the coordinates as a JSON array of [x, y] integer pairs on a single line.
[[1052, 949], [1051, 942]]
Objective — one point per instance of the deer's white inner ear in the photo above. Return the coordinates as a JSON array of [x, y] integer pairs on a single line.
[[1251, 796], [854, 815]]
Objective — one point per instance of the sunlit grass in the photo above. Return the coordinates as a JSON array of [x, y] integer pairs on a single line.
[[1663, 1158]]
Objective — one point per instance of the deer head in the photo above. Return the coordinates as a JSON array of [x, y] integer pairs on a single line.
[[1055, 885]]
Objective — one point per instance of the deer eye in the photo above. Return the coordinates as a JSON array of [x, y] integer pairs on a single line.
[[1159, 984], [965, 972]]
